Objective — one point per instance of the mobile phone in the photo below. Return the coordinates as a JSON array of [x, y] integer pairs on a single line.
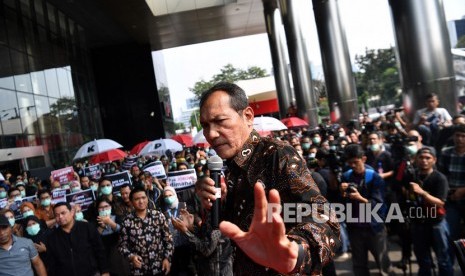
[[182, 205]]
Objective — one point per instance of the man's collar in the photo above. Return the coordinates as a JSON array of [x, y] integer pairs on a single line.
[[242, 158]]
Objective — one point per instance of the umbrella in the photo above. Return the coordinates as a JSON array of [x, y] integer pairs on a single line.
[[160, 146], [199, 138], [184, 139], [267, 123], [137, 148], [108, 156], [294, 122], [95, 147]]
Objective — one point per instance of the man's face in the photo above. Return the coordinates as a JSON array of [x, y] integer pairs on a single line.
[[85, 182], [432, 103], [63, 216], [459, 139], [5, 234], [225, 129], [357, 164], [139, 201], [125, 194], [135, 170], [373, 139], [425, 161]]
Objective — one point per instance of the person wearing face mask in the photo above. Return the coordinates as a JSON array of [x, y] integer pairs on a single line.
[[182, 252], [377, 156], [27, 209], [45, 209], [18, 229], [3, 192], [38, 232], [106, 191], [109, 227], [22, 188], [74, 186], [305, 143]]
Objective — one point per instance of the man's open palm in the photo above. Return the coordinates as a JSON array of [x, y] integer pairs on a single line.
[[266, 242]]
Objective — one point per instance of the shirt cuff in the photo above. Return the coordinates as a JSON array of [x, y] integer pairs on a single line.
[[300, 259]]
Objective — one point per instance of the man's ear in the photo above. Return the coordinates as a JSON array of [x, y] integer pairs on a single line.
[[248, 115]]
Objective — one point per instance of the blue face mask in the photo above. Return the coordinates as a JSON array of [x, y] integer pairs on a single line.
[[23, 193], [305, 146], [169, 200], [28, 213], [12, 221], [33, 229], [104, 213], [79, 216], [2, 194], [46, 202], [94, 187], [106, 190], [316, 140], [75, 189]]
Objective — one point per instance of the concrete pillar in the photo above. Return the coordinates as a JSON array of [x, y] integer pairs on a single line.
[[339, 79], [424, 53], [291, 11], [278, 55]]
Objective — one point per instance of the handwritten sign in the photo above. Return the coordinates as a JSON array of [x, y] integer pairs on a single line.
[[181, 180], [64, 175], [156, 169]]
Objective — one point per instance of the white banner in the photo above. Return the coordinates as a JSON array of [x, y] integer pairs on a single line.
[[181, 180], [156, 169]]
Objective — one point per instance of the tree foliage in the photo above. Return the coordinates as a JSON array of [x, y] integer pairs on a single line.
[[378, 77], [461, 42], [63, 106], [229, 74]]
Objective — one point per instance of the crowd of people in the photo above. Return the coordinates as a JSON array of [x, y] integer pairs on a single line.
[[150, 228]]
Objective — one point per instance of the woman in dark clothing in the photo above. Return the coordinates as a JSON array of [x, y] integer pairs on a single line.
[[37, 231], [108, 225]]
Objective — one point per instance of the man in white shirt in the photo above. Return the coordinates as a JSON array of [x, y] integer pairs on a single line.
[[431, 119]]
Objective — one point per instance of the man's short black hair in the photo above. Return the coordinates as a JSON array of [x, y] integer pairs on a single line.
[[126, 186], [43, 191], [431, 95], [237, 97], [59, 204], [137, 189], [459, 128], [11, 190], [353, 151]]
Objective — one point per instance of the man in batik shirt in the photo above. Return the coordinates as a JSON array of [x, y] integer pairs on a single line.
[[145, 238], [265, 244]]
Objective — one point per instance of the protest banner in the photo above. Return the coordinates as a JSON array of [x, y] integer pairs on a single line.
[[84, 198], [64, 176], [15, 206], [93, 172], [156, 169], [181, 180], [128, 162], [118, 180], [3, 203], [58, 195]]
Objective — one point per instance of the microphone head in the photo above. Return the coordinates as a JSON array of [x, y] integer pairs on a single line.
[[215, 163]]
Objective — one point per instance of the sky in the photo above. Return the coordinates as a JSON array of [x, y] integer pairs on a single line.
[[367, 24]]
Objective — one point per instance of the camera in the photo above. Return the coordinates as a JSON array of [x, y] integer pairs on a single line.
[[352, 188]]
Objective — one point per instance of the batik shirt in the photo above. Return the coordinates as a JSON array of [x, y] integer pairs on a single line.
[[279, 167], [149, 238]]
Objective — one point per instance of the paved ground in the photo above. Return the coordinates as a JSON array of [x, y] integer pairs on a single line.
[[344, 266]]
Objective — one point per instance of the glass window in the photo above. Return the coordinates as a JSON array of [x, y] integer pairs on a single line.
[[38, 83], [10, 3], [29, 36], [25, 8], [51, 13], [18, 62], [52, 83], [23, 82], [6, 81], [15, 35], [43, 115], [62, 23], [9, 113], [39, 12], [63, 82], [2, 28], [27, 112]]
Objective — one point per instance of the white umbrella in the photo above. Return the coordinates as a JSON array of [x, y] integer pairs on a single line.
[[199, 138], [160, 146], [95, 147], [265, 123]]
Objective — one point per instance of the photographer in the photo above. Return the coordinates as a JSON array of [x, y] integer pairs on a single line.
[[429, 229], [361, 186]]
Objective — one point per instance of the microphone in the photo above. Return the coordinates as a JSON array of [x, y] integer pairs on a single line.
[[215, 164]]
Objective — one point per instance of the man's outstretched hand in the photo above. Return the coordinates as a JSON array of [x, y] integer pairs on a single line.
[[266, 242]]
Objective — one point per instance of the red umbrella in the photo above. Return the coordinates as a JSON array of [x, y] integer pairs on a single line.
[[184, 139], [137, 148], [294, 122], [108, 156]]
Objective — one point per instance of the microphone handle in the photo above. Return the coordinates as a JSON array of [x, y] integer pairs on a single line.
[[215, 210]]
